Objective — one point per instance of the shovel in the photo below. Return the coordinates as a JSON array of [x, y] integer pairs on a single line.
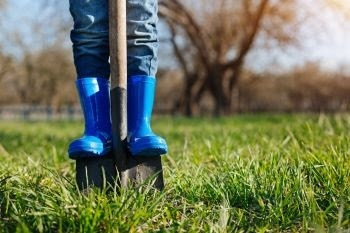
[[131, 170], [120, 166]]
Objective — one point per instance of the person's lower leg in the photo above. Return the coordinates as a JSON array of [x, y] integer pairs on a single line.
[[95, 165], [142, 69]]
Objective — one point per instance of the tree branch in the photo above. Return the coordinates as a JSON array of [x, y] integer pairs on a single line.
[[250, 38]]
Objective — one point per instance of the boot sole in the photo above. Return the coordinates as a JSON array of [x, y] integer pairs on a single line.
[[148, 149], [75, 153]]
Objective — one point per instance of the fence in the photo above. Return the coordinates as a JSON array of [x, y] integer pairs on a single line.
[[28, 112], [25, 112]]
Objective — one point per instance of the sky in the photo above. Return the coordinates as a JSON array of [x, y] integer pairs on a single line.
[[324, 39], [328, 43]]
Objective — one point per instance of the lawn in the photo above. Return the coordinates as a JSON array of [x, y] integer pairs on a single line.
[[280, 173]]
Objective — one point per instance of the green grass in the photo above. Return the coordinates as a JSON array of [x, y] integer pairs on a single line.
[[247, 173]]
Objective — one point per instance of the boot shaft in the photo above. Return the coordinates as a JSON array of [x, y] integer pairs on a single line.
[[94, 94], [141, 91]]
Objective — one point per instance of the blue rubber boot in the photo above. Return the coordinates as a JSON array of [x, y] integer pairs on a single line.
[[95, 103], [141, 140]]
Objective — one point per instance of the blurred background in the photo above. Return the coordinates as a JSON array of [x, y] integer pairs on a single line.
[[217, 57]]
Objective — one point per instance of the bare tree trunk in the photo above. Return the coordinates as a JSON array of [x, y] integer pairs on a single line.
[[211, 43]]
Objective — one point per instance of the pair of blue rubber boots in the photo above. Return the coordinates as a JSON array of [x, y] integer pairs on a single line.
[[94, 96]]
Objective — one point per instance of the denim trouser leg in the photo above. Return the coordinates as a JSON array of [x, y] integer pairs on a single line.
[[142, 37], [90, 37]]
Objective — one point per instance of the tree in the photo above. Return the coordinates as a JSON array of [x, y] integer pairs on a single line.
[[6, 65], [41, 70], [46, 78], [340, 6], [3, 3], [211, 40]]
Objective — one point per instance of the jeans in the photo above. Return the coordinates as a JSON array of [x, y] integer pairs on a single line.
[[90, 37]]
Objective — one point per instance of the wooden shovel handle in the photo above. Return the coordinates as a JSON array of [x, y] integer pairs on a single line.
[[118, 63], [118, 43]]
